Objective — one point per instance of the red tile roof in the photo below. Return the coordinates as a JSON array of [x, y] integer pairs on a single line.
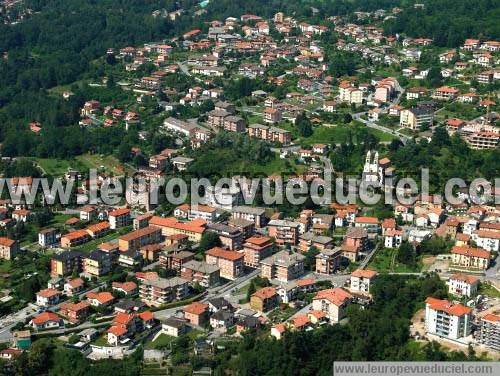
[[448, 307], [364, 273], [337, 296], [45, 317], [196, 308], [470, 251], [224, 254]]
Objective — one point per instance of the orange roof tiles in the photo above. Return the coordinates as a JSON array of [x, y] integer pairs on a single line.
[[48, 293], [470, 251], [118, 212], [337, 296], [102, 297], [146, 316], [46, 316], [196, 308], [448, 307], [465, 278], [118, 330], [224, 254], [372, 220], [300, 321], [6, 242], [265, 293], [364, 273]]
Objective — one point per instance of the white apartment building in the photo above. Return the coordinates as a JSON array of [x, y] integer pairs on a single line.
[[446, 319]]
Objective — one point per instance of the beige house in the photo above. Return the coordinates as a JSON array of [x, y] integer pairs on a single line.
[[332, 302]]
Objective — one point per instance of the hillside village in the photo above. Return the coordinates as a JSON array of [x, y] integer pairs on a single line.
[[119, 277]]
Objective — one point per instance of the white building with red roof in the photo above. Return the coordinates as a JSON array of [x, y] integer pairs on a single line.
[[446, 319]]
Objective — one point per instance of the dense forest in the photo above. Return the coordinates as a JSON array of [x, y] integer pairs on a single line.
[[449, 22]]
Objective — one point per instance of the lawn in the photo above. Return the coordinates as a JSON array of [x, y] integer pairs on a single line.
[[339, 134], [90, 246], [488, 290], [385, 261], [161, 341], [106, 162], [57, 167]]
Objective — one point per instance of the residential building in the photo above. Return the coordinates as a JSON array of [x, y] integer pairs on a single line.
[[284, 232], [264, 299], [158, 291], [75, 238], [73, 286], [416, 117], [283, 266], [98, 299], [97, 263], [171, 226], [47, 297], [230, 262], [230, 237], [332, 302], [446, 319], [196, 313], [253, 214], [463, 284], [489, 331], [470, 258], [119, 218], [361, 280], [174, 326], [46, 320], [8, 248], [88, 213], [328, 260], [47, 237], [205, 274], [75, 312], [65, 263], [133, 241], [256, 249]]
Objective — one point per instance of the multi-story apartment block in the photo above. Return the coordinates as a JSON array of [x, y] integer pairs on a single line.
[[8, 248], [65, 263], [230, 262], [416, 117], [201, 272], [284, 232], [171, 226], [253, 214], [448, 320], [361, 280], [133, 241], [283, 266], [119, 218], [470, 258], [256, 249], [47, 237], [97, 263], [489, 331], [328, 260], [158, 291]]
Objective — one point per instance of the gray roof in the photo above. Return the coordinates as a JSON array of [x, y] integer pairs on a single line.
[[249, 209], [174, 322], [165, 283], [283, 258], [200, 266]]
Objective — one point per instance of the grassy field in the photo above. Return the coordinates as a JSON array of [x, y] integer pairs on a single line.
[[385, 261], [107, 162], [56, 167], [488, 290], [162, 341], [339, 134]]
